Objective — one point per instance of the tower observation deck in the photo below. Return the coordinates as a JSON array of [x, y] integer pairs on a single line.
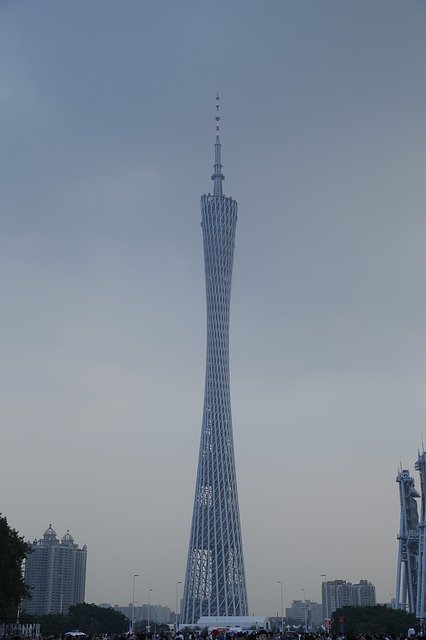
[[215, 583]]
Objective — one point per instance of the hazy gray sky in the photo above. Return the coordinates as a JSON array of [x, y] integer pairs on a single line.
[[107, 144]]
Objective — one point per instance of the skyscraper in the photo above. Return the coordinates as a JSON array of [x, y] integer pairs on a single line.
[[339, 593], [215, 583], [55, 573]]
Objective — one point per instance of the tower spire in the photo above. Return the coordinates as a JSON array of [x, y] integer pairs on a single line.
[[217, 176]]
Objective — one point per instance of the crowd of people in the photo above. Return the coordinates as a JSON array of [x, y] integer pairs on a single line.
[[240, 635], [33, 632]]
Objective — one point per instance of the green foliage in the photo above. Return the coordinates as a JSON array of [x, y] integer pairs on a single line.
[[373, 620], [93, 619], [89, 618], [13, 551], [52, 623]]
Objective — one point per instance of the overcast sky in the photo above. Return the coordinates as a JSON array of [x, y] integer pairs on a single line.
[[106, 147]]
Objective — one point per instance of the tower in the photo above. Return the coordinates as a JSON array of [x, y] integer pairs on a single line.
[[420, 466], [215, 583], [408, 544]]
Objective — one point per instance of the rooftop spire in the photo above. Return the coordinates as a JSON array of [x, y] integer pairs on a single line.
[[217, 176]]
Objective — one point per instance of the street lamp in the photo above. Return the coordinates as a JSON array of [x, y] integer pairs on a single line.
[[323, 575], [280, 582], [176, 609], [136, 575], [306, 613], [149, 606]]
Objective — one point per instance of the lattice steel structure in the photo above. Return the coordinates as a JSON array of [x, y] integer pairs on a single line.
[[421, 580], [215, 583], [408, 544]]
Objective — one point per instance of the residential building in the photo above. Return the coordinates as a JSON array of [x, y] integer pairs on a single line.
[[339, 593], [55, 572]]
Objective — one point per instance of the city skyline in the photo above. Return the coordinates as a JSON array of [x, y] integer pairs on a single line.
[[105, 113]]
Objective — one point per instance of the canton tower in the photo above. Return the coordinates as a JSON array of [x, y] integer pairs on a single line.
[[215, 583]]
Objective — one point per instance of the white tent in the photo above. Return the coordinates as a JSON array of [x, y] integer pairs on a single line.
[[234, 622]]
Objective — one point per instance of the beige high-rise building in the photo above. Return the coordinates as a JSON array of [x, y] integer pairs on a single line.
[[339, 593], [55, 572]]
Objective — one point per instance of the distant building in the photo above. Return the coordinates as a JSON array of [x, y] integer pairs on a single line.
[[302, 611], [339, 593], [364, 594], [55, 572], [156, 613]]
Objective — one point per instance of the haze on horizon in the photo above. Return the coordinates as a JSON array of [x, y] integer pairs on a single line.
[[107, 137]]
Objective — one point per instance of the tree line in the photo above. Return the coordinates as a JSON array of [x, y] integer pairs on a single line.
[[89, 618], [377, 620]]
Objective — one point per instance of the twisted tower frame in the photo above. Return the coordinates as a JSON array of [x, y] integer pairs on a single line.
[[215, 583]]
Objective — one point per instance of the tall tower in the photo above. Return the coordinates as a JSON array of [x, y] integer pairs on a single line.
[[421, 582], [215, 583], [408, 544]]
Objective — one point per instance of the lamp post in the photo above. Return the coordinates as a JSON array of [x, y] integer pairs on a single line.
[[176, 609], [280, 582], [136, 575], [324, 575], [149, 606], [306, 613]]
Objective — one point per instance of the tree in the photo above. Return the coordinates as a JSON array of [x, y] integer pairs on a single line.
[[13, 551], [93, 619], [53, 624], [374, 620]]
